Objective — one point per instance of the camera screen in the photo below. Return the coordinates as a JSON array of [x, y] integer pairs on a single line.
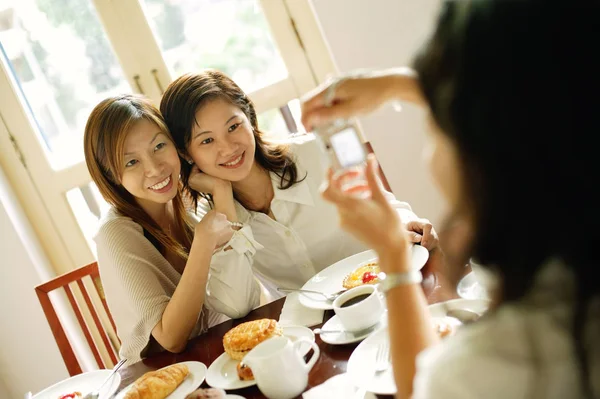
[[348, 148]]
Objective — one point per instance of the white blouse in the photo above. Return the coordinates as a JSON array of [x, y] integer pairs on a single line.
[[523, 350], [305, 236]]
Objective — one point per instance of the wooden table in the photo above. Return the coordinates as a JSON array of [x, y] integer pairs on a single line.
[[332, 361]]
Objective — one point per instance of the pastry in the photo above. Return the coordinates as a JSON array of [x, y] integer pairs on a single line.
[[241, 339], [158, 384], [444, 328], [364, 274], [207, 393], [244, 372]]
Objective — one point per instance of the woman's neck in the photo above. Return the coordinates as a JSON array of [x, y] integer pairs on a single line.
[[161, 214], [255, 191]]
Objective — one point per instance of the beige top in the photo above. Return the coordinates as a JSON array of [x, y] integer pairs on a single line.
[[139, 282]]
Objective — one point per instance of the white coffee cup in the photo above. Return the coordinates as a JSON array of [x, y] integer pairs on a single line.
[[363, 314], [277, 355]]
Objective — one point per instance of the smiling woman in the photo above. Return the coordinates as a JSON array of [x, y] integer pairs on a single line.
[[156, 260], [270, 186]]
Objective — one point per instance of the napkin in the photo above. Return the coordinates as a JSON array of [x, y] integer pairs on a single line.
[[339, 386], [294, 313]]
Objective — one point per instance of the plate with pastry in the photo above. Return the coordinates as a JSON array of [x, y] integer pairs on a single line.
[[228, 371], [79, 385], [353, 271], [171, 382]]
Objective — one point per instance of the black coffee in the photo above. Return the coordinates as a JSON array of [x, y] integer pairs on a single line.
[[355, 300]]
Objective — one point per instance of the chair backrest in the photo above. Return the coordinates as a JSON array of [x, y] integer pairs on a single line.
[[76, 278]]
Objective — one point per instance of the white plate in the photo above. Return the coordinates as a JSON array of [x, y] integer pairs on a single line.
[[362, 361], [189, 385], [361, 366], [343, 338], [470, 288], [84, 383], [330, 279], [476, 305], [222, 373]]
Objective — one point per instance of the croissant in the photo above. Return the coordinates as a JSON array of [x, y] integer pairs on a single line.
[[158, 384]]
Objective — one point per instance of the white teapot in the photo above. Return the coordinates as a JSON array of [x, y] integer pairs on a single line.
[[279, 368]]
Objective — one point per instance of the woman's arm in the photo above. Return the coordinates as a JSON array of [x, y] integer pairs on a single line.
[[358, 94], [378, 224], [232, 288], [182, 312]]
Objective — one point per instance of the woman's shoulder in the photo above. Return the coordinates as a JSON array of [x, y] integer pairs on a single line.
[[113, 223]]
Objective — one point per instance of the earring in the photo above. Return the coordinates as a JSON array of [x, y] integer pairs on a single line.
[[190, 161]]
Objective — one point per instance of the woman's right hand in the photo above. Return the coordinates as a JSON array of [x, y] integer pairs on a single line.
[[204, 183], [214, 227], [357, 95]]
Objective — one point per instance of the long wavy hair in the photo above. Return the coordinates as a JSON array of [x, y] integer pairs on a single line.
[[182, 99], [512, 83], [104, 139]]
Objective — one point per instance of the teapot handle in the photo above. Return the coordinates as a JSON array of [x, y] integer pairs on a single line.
[[316, 351]]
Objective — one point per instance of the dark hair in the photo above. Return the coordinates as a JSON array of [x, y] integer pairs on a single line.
[[187, 93], [104, 138], [511, 83]]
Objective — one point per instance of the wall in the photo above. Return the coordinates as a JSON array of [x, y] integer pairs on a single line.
[[382, 34], [29, 357]]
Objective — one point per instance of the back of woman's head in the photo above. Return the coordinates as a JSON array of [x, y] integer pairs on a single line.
[[511, 82], [104, 140]]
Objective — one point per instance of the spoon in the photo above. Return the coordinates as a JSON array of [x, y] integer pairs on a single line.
[[465, 316], [328, 297]]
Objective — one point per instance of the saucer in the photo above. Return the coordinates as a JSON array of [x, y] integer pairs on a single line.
[[470, 288], [344, 337]]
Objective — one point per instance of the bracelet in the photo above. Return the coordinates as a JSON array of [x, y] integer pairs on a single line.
[[236, 224], [392, 280]]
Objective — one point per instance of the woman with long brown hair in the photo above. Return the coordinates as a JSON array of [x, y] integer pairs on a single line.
[[157, 261], [487, 78], [272, 187]]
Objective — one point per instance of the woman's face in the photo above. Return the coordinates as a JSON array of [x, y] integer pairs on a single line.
[[222, 142], [151, 166], [441, 156]]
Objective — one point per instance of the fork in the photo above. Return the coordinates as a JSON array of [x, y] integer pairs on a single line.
[[382, 357], [328, 297], [94, 394]]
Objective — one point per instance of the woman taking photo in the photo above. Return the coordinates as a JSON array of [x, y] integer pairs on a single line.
[[506, 84]]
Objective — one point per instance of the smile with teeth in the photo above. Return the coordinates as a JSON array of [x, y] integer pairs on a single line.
[[162, 184], [234, 162]]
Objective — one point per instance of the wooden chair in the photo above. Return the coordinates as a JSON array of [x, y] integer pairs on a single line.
[[76, 277]]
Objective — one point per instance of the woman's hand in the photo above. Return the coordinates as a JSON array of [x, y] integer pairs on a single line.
[[221, 191], [421, 231], [371, 220], [214, 227], [203, 183], [357, 95]]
